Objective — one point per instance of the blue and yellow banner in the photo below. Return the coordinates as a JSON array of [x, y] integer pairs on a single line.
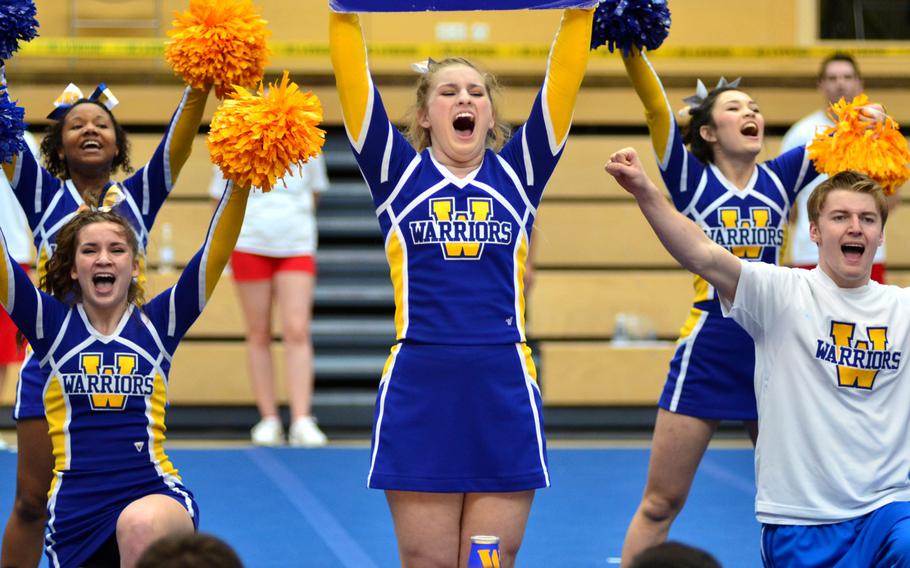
[[452, 5]]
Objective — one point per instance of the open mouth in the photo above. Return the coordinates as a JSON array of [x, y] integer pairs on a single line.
[[464, 124], [749, 129], [91, 145], [104, 282], [853, 251]]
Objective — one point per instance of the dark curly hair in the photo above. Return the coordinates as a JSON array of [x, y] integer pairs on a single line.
[[57, 280], [53, 142], [702, 115]]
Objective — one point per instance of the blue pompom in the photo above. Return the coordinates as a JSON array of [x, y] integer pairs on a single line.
[[12, 127], [626, 23], [17, 23]]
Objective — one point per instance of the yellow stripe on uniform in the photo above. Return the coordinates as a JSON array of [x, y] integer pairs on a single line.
[[6, 276], [702, 290], [395, 254], [56, 412], [521, 260], [158, 402], [529, 361], [393, 353], [41, 263], [694, 316]]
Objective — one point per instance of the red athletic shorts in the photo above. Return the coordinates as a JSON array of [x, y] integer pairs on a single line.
[[878, 271], [9, 353], [252, 267]]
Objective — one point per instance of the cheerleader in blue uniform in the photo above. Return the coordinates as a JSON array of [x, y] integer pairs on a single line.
[[83, 148], [458, 441], [742, 205], [106, 355]]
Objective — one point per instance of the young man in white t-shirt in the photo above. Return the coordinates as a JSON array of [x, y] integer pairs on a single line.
[[832, 457]]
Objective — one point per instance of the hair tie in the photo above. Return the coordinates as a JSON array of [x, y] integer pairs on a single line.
[[73, 94], [423, 67], [701, 92]]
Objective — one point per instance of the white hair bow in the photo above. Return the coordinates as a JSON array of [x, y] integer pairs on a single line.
[[423, 67]]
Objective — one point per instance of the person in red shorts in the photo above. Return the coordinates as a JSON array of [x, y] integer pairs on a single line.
[[274, 261]]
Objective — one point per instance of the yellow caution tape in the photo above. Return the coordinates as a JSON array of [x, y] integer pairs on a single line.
[[141, 48]]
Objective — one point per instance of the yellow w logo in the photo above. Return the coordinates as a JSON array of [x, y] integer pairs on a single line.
[[443, 209], [842, 334], [489, 558], [730, 219], [91, 365]]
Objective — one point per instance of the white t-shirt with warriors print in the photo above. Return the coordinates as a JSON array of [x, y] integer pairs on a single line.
[[833, 393]]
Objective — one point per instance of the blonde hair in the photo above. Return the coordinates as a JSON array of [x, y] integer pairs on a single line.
[[848, 180], [419, 136]]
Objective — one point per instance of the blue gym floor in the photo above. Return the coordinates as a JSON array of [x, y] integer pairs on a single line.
[[302, 508]]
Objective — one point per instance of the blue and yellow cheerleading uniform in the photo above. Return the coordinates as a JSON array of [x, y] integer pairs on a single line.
[[711, 373], [458, 408], [106, 395], [50, 202]]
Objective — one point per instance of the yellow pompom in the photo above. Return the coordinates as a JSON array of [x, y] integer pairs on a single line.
[[220, 42], [876, 149], [256, 138]]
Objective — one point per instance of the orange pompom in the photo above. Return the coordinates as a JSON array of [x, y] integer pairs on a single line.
[[865, 140], [220, 42], [255, 139]]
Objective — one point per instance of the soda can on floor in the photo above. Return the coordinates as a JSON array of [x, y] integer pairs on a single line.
[[484, 552]]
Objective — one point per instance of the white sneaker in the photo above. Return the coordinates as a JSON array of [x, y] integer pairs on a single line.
[[268, 432], [305, 433]]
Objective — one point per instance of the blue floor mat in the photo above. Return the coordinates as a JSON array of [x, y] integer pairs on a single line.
[[310, 508]]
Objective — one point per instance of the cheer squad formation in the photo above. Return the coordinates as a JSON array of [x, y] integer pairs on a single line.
[[810, 358]]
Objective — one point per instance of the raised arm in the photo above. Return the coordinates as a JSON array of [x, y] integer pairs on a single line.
[[682, 238], [32, 311], [352, 74], [176, 309], [183, 129], [566, 69], [534, 149], [658, 113], [151, 185], [382, 152]]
